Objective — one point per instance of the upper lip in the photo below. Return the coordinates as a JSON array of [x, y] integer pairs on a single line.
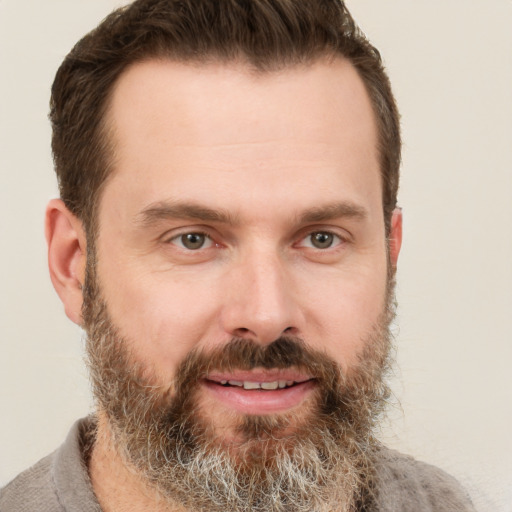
[[259, 375]]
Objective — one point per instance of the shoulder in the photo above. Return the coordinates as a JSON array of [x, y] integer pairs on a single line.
[[57, 483], [32, 490], [405, 484]]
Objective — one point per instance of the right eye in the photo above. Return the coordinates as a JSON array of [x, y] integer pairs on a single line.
[[192, 241]]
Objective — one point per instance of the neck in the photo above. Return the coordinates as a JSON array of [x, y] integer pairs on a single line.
[[118, 488]]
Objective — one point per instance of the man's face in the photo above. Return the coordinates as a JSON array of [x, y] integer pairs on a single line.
[[243, 209]]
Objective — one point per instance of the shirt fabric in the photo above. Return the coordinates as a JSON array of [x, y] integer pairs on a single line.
[[60, 483]]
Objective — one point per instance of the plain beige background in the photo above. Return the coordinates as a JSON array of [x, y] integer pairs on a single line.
[[451, 65]]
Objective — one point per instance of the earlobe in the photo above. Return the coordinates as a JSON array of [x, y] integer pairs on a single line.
[[395, 237], [66, 256]]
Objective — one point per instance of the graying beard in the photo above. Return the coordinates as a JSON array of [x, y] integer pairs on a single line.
[[300, 481], [317, 473], [322, 469]]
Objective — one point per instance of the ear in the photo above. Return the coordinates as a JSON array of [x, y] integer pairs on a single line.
[[66, 257], [395, 237]]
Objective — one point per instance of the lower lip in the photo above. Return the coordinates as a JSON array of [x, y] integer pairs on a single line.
[[258, 401]]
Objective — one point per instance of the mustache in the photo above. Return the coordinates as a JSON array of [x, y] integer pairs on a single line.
[[246, 354]]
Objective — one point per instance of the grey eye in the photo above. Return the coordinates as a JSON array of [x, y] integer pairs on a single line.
[[193, 241], [322, 239]]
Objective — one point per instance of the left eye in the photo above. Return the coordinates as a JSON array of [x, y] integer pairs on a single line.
[[193, 241], [321, 240]]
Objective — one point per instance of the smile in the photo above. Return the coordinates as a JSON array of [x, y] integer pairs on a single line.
[[260, 392], [277, 384]]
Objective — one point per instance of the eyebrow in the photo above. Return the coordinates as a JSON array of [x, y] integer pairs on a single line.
[[344, 209], [166, 210]]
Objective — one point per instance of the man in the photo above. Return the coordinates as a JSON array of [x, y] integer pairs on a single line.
[[227, 235]]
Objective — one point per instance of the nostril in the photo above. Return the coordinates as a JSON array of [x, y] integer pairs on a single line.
[[263, 335]]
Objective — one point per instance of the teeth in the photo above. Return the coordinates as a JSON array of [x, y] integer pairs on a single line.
[[269, 385], [277, 384], [252, 385]]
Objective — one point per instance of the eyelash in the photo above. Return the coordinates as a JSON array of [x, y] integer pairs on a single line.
[[334, 244], [179, 236]]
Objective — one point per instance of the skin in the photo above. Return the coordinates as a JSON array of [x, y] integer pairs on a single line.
[[258, 163]]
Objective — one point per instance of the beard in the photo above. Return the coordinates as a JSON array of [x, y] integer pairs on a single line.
[[318, 461]]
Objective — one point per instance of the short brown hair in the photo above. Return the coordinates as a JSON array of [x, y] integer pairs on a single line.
[[267, 34]]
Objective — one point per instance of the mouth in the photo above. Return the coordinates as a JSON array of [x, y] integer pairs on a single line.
[[260, 392], [268, 386]]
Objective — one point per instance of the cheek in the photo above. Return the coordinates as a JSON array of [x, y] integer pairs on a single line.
[[162, 318], [345, 312]]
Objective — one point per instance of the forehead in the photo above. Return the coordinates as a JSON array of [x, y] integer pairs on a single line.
[[198, 125], [176, 94]]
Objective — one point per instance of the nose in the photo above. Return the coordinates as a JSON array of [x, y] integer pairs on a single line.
[[261, 301]]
